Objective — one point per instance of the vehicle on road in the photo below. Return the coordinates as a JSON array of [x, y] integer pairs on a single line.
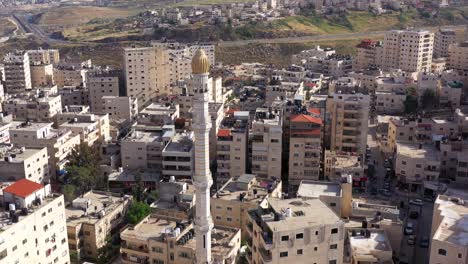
[[387, 192], [411, 240], [409, 229], [424, 242], [414, 215], [417, 202]]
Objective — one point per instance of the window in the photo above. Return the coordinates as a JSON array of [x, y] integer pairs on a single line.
[[14, 248], [403, 162], [24, 241], [184, 255], [442, 252], [158, 261], [300, 236], [229, 219], [299, 252], [283, 254], [332, 262], [334, 231], [315, 248], [157, 249], [332, 204], [334, 246], [229, 208], [284, 238]]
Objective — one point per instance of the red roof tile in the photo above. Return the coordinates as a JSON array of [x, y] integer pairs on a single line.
[[224, 133], [313, 110], [306, 118], [315, 132], [23, 188]]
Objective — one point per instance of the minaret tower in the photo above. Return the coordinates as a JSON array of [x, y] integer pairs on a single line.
[[202, 179]]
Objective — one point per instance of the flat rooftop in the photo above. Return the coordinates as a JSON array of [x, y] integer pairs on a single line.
[[370, 245], [315, 189], [180, 143], [232, 190], [99, 201], [129, 176], [453, 228], [17, 155], [427, 151], [158, 109], [144, 136]]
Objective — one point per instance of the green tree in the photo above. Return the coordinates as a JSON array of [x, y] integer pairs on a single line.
[[108, 252], [137, 211], [69, 192], [429, 99], [411, 102], [83, 170]]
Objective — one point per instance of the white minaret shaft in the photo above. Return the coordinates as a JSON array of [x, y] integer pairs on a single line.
[[202, 179]]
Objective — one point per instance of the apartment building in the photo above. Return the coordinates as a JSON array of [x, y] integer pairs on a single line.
[[5, 131], [349, 115], [42, 75], [17, 72], [305, 148], [445, 37], [42, 56], [416, 163], [93, 217], [24, 163], [369, 54], [157, 114], [232, 202], [266, 141], [333, 65], [143, 149], [90, 127], [158, 240], [447, 233], [295, 231], [368, 245], [390, 103], [69, 75], [450, 94], [120, 107], [408, 50], [33, 226], [340, 165], [283, 91], [176, 200], [59, 142], [458, 57], [100, 85], [147, 73], [37, 108], [178, 157], [72, 95], [315, 52], [231, 145]]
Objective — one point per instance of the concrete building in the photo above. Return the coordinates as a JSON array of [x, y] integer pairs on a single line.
[[143, 149], [349, 115], [176, 200], [390, 103], [157, 114], [266, 141], [448, 232], [17, 72], [450, 94], [369, 246], [232, 202], [295, 231], [445, 37], [178, 157], [99, 86], [59, 143], [34, 226], [416, 163], [458, 57], [305, 148], [147, 73], [71, 95], [42, 56], [339, 165], [231, 145], [369, 54], [90, 127], [66, 75], [93, 217], [122, 107], [408, 50], [165, 241], [24, 163], [42, 75], [37, 108]]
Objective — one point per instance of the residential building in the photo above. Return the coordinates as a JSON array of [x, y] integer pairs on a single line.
[[447, 233], [349, 114], [408, 50], [90, 127], [17, 72], [37, 108], [42, 75], [178, 157], [147, 73], [283, 91], [232, 202], [93, 217], [122, 180], [44, 56], [315, 52], [72, 95], [450, 94], [24, 163], [158, 114], [120, 107], [369, 54], [231, 145], [338, 165], [176, 200], [458, 57], [100, 85], [34, 225], [266, 138], [445, 37], [305, 148], [415, 163], [295, 231], [59, 142], [390, 103], [369, 246], [166, 241]]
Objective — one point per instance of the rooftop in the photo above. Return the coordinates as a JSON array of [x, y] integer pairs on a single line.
[[129, 176], [453, 228], [370, 243], [15, 154], [419, 151], [315, 189], [23, 188], [180, 143], [247, 188], [306, 119]]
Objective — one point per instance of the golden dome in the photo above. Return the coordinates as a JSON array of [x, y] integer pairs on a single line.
[[200, 63]]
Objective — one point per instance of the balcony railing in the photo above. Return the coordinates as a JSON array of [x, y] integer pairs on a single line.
[[266, 255]]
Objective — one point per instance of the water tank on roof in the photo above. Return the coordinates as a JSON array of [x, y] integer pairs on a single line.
[[172, 179], [12, 207], [288, 212]]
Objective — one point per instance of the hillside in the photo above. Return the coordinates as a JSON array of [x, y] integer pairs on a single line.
[[6, 27]]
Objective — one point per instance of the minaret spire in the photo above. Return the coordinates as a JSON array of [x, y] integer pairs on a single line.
[[202, 179]]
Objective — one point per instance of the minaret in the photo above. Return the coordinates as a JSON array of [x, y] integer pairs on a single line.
[[202, 179]]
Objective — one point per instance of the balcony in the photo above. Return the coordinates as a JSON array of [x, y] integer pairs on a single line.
[[131, 259], [267, 240], [266, 255], [135, 249]]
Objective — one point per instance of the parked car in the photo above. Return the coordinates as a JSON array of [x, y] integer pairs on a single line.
[[409, 229], [424, 242], [417, 202], [387, 193], [411, 240], [414, 215]]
